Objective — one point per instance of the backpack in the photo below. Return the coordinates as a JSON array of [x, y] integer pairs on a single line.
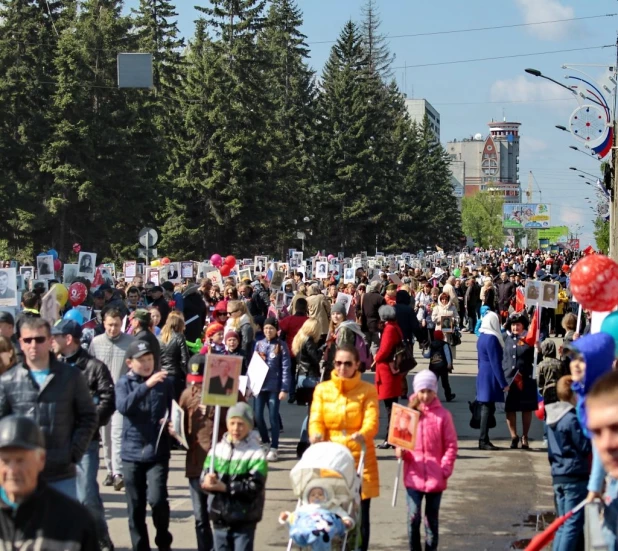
[[363, 351], [437, 358]]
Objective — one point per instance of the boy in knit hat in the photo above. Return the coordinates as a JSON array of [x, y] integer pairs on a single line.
[[238, 482], [232, 348]]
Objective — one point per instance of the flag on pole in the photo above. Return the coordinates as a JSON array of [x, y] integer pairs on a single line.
[[588, 250], [533, 331], [520, 300]]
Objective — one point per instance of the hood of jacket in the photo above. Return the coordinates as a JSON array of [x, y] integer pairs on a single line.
[[352, 326], [598, 351], [556, 411], [403, 297]]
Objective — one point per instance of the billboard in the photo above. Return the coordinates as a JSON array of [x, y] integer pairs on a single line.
[[555, 234], [520, 216]]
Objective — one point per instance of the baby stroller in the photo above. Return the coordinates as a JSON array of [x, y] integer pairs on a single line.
[[331, 466]]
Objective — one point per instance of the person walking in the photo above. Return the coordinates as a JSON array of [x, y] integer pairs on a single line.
[[174, 352], [110, 348], [491, 384], [319, 308], [66, 337], [370, 318]]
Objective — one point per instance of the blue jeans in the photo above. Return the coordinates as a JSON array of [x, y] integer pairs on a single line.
[[239, 539], [306, 382], [88, 488], [568, 496], [203, 531], [432, 511], [66, 486], [270, 398]]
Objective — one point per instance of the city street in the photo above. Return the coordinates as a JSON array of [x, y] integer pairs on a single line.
[[486, 507]]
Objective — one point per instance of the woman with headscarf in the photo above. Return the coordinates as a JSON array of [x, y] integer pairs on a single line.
[[491, 383], [517, 365], [388, 385]]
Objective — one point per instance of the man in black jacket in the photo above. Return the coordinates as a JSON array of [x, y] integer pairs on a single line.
[[472, 300], [194, 311], [66, 343], [56, 395], [506, 293], [369, 307], [33, 515]]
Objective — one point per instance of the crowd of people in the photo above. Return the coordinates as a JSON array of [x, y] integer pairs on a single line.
[[111, 384]]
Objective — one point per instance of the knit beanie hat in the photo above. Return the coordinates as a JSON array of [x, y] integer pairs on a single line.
[[438, 335], [272, 321], [425, 380], [338, 307], [231, 334], [242, 410], [213, 329]]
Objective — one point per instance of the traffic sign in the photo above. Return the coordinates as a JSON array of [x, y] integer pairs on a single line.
[[148, 237], [147, 253]]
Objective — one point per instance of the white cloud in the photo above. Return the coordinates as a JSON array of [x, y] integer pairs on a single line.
[[535, 11], [529, 89]]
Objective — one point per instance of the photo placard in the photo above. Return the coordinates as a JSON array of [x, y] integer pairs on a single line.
[[221, 375], [403, 427]]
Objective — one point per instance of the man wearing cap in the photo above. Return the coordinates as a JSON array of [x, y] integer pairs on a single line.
[[110, 348], [33, 515], [56, 395], [66, 337], [140, 324], [144, 398], [159, 301]]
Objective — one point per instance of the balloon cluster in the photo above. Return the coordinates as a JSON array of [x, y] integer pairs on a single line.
[[160, 262], [594, 283], [225, 265]]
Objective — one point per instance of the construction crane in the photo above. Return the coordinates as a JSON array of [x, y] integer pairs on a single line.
[[532, 179]]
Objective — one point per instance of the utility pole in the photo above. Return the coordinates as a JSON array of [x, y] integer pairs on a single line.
[[613, 204]]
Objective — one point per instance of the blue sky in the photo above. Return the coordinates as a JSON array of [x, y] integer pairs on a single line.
[[469, 95]]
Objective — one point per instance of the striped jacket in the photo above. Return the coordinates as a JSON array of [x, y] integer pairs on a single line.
[[242, 467]]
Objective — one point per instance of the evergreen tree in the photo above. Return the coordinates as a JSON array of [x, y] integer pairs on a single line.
[[379, 56]]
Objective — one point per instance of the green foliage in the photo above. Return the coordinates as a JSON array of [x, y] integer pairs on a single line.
[[601, 234], [229, 152], [482, 219]]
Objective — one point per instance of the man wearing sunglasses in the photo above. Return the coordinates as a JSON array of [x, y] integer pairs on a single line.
[[55, 395]]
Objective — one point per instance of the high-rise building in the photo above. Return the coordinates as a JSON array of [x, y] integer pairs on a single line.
[[418, 108], [489, 163]]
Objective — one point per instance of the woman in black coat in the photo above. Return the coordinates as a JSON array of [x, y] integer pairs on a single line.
[[174, 352], [517, 364]]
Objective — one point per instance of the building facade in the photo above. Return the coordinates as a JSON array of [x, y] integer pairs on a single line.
[[418, 108], [489, 163]]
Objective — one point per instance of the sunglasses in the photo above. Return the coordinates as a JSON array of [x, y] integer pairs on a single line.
[[232, 312], [346, 365], [38, 340]]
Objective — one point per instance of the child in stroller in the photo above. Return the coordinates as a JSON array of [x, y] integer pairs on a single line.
[[318, 519]]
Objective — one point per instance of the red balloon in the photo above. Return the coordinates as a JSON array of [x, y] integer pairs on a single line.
[[77, 293], [594, 283], [225, 270], [566, 268], [165, 260], [57, 265], [230, 261]]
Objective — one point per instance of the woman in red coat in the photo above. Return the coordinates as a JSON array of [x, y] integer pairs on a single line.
[[389, 386]]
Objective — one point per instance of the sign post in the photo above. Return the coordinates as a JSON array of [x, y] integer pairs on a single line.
[[148, 238]]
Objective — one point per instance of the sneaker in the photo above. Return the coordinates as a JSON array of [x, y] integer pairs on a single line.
[[109, 480], [118, 482], [272, 455]]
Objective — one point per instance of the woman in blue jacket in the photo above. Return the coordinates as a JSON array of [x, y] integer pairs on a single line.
[[274, 351], [490, 381]]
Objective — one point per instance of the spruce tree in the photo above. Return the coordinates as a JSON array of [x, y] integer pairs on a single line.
[[379, 56]]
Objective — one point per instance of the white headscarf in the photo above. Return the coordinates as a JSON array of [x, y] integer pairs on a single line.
[[491, 326]]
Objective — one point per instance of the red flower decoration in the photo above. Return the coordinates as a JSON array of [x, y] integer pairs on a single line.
[[172, 304], [77, 247]]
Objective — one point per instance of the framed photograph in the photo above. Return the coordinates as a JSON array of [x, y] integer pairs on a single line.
[[280, 300], [321, 269], [106, 274], [8, 287], [245, 273], [294, 263], [403, 426], [348, 275], [276, 282], [298, 256], [45, 266], [533, 292], [291, 252], [170, 272], [69, 273], [186, 270], [446, 324], [130, 270], [110, 267], [220, 387], [152, 274], [27, 272], [86, 265], [260, 265], [340, 256], [39, 285], [549, 297]]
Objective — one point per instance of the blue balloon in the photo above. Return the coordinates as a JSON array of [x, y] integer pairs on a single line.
[[42, 254], [54, 253], [610, 326], [74, 315]]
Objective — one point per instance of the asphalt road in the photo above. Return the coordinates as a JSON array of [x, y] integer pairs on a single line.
[[492, 500]]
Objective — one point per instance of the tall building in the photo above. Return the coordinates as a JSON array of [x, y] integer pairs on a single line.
[[418, 108], [489, 163]]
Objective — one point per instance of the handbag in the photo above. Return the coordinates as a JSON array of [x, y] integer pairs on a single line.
[[456, 337], [403, 359], [475, 420]]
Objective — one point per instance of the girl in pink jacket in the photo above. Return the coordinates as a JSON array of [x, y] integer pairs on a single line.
[[429, 466]]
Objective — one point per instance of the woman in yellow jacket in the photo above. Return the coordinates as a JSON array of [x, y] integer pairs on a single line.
[[345, 410]]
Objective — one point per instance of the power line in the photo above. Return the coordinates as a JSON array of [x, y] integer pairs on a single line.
[[476, 29], [456, 62], [501, 102]]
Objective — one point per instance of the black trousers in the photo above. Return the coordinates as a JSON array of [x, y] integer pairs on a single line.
[[388, 404], [365, 524], [487, 410], [147, 482], [442, 375]]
